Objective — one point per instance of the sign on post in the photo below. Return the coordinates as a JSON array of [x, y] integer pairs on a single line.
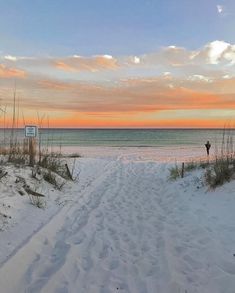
[[30, 131]]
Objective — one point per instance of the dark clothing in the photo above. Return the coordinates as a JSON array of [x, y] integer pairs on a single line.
[[208, 145]]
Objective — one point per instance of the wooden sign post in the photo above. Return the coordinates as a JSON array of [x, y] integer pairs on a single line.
[[31, 133]]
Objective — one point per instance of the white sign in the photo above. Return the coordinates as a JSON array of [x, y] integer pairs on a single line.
[[30, 131]]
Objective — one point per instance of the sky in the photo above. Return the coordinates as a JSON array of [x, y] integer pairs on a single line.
[[118, 63]]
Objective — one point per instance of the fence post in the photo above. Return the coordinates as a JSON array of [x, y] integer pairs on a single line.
[[32, 151], [182, 170]]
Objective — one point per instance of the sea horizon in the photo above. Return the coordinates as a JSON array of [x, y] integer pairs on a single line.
[[121, 137], [124, 128]]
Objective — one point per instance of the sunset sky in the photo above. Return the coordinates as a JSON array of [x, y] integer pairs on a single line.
[[118, 63]]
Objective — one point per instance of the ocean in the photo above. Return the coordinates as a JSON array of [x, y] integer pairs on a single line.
[[121, 137]]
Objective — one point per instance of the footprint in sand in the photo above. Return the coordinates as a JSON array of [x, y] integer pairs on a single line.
[[104, 252], [113, 264], [87, 263], [78, 239], [227, 267], [194, 264]]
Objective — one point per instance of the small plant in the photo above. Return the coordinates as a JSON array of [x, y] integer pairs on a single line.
[[174, 172], [204, 164], [37, 201], [53, 162], [16, 155], [17, 159], [221, 171], [191, 166], [50, 177]]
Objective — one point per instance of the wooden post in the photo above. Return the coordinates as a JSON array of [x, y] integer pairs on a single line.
[[26, 146], [32, 151], [182, 170], [68, 172]]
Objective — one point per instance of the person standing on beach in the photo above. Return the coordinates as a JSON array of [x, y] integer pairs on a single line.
[[208, 145]]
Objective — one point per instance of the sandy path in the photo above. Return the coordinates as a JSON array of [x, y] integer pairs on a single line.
[[129, 231]]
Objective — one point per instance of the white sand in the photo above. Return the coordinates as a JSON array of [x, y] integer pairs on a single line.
[[123, 227], [159, 154]]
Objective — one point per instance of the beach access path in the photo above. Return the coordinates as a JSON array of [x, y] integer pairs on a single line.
[[130, 229]]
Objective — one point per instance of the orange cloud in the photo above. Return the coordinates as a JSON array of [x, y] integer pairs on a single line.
[[93, 64], [130, 96], [6, 72], [54, 85], [63, 66]]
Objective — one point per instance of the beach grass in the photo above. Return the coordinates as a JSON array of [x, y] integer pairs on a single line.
[[174, 172]]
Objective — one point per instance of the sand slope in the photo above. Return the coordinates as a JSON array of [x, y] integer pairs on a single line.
[[131, 230]]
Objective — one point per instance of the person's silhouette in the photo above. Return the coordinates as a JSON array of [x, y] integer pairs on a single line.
[[208, 145]]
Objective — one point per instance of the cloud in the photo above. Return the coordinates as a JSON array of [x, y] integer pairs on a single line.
[[129, 96], [63, 66], [215, 53], [6, 72], [216, 50], [136, 60], [54, 85], [214, 56], [168, 56], [18, 58], [10, 58], [199, 77], [220, 9], [92, 64]]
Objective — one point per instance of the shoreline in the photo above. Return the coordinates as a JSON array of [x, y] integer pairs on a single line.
[[155, 154]]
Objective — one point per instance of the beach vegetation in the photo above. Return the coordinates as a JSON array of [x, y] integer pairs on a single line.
[[51, 178], [192, 165], [222, 168], [37, 201], [203, 164], [177, 172], [174, 172], [220, 171]]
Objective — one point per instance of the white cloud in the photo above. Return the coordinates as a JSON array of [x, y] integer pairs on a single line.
[[230, 54], [199, 77], [226, 76], [136, 60], [107, 56], [216, 49], [166, 73], [10, 58], [220, 9]]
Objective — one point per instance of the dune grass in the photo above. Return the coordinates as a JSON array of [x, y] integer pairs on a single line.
[[218, 170]]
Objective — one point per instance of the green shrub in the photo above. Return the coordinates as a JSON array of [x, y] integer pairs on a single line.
[[50, 177], [221, 170], [174, 172], [191, 166], [204, 164], [53, 162]]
